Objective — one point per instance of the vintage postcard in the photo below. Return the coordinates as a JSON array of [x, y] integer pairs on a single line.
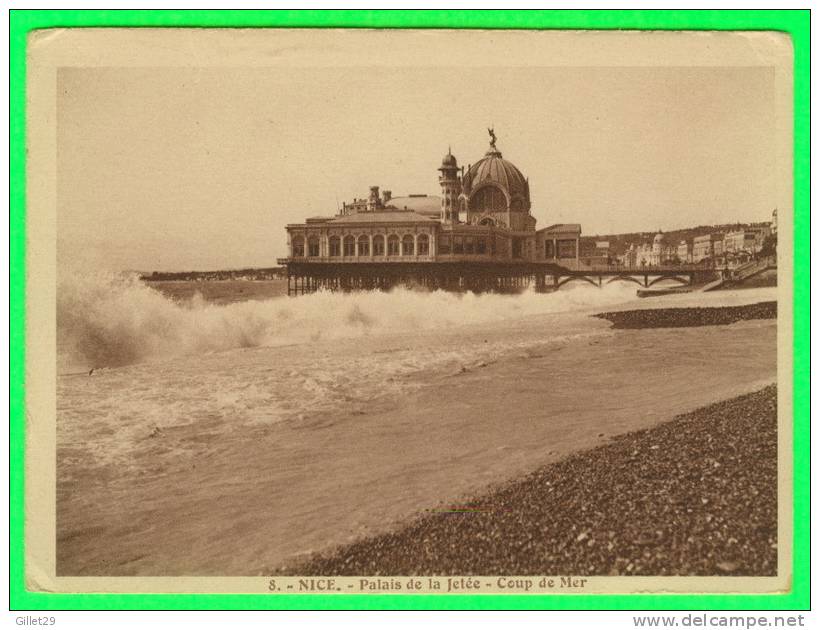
[[408, 311]]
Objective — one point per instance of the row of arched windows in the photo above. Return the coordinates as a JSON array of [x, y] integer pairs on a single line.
[[351, 246]]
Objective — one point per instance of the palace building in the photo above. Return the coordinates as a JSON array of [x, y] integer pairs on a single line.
[[483, 215]]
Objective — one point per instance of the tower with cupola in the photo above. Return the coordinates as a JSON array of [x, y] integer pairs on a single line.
[[450, 188]]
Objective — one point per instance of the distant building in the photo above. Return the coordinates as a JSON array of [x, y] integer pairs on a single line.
[[761, 233], [684, 252], [718, 246], [596, 254], [663, 252], [774, 222], [653, 253], [630, 257], [483, 214], [741, 242], [707, 247]]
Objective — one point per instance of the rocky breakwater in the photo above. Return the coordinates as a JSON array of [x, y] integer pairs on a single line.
[[686, 317]]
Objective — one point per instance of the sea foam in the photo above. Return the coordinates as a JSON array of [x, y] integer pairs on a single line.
[[109, 319]]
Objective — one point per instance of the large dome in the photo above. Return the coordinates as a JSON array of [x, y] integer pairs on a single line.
[[494, 171]]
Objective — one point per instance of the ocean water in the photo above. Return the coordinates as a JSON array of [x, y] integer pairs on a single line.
[[133, 360], [255, 429]]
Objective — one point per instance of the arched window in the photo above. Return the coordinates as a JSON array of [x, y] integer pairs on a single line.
[[378, 245], [313, 246], [392, 245], [488, 198], [297, 245], [408, 247], [423, 245], [349, 246], [364, 245], [335, 246]]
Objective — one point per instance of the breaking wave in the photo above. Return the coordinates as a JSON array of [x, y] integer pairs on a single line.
[[106, 319]]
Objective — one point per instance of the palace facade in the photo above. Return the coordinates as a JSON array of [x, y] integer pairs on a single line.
[[483, 214]]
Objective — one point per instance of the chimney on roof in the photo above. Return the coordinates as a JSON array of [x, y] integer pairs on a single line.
[[373, 201]]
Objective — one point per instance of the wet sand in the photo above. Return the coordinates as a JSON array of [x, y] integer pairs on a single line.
[[694, 496], [270, 498]]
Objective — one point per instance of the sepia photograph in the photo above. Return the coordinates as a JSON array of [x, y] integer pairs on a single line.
[[410, 311]]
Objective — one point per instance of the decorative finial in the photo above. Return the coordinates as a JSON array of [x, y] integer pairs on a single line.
[[491, 131]]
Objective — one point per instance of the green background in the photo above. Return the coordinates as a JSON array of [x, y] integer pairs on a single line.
[[794, 22]]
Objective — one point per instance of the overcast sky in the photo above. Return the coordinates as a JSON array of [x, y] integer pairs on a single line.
[[179, 168]]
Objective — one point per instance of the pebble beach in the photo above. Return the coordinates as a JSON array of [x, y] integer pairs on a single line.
[[693, 496]]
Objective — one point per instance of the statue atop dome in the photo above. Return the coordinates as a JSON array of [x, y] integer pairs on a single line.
[[493, 190]]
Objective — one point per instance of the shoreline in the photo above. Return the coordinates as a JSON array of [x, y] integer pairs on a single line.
[[265, 500], [623, 508]]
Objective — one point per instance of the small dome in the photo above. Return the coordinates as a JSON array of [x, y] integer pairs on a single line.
[[449, 160], [659, 238]]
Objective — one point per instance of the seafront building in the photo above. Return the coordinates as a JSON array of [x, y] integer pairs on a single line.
[[717, 248], [740, 241], [483, 214], [707, 247], [761, 232], [654, 253], [684, 252]]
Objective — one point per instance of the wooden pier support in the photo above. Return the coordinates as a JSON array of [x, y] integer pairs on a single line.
[[498, 277]]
